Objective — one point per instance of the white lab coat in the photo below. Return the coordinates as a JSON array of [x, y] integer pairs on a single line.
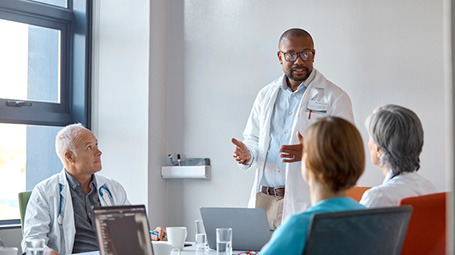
[[393, 189], [256, 135], [42, 214]]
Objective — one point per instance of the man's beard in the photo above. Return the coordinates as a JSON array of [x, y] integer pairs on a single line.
[[291, 77]]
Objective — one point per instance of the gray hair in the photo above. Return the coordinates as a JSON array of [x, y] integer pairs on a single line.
[[64, 141], [399, 134]]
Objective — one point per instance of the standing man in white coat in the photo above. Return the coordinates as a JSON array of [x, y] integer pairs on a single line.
[[281, 114], [60, 207]]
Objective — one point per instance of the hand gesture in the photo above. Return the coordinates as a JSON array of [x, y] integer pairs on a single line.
[[241, 153], [292, 153]]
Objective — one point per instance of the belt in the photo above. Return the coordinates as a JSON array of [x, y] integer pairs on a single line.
[[277, 192]]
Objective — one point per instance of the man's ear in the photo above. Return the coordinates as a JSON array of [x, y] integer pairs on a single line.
[[279, 57], [69, 156]]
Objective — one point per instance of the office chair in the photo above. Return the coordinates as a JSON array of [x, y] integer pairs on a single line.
[[356, 192], [427, 227], [376, 231], [23, 201]]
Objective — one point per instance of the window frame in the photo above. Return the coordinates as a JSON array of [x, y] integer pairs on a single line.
[[75, 83], [75, 24]]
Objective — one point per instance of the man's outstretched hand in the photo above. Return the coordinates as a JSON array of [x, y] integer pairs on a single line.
[[241, 153]]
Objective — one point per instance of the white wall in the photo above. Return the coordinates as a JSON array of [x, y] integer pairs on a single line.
[[380, 52], [129, 97], [120, 94], [181, 76]]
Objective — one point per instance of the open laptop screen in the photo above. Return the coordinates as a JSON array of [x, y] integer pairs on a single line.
[[250, 228], [123, 230]]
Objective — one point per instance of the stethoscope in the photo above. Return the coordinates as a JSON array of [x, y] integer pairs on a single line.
[[60, 216]]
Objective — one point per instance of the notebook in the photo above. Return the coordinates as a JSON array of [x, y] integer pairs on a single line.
[[250, 228], [123, 230]]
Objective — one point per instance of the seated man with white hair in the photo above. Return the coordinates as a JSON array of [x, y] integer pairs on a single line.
[[60, 207]]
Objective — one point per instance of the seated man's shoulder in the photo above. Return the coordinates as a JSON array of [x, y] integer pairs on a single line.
[[102, 180], [46, 182], [106, 179]]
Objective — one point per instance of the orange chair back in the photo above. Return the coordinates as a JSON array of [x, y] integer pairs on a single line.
[[356, 192], [427, 227]]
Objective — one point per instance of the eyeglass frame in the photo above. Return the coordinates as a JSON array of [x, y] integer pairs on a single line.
[[299, 54]]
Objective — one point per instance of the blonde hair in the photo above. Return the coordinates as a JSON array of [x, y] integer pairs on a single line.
[[334, 152]]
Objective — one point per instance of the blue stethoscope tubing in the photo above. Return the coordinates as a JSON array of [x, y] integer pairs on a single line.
[[60, 216]]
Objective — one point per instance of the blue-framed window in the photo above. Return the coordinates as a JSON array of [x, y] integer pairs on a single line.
[[45, 54]]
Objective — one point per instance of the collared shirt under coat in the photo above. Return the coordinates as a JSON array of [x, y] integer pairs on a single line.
[[85, 239], [284, 112]]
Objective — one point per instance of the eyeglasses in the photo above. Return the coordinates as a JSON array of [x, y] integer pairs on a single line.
[[292, 57], [249, 253]]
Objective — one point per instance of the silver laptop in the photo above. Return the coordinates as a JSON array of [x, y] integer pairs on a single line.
[[123, 230], [250, 228]]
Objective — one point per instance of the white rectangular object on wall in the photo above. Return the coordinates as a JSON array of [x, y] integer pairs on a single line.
[[190, 172]]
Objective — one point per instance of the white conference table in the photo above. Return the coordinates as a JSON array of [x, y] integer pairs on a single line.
[[192, 250], [189, 250]]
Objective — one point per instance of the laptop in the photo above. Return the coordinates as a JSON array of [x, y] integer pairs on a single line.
[[250, 228], [123, 230]]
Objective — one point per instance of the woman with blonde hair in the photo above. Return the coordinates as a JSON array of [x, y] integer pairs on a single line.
[[333, 160]]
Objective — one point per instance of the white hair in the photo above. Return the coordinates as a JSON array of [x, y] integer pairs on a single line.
[[64, 141]]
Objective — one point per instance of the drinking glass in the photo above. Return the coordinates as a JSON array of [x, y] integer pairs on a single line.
[[34, 246], [200, 236], [224, 241]]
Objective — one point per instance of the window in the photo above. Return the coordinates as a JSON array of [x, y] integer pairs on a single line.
[[44, 84]]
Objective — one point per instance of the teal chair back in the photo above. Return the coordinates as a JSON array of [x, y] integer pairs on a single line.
[[23, 201], [376, 231]]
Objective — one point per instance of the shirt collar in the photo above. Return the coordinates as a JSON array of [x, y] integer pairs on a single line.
[[74, 182], [390, 175], [305, 83]]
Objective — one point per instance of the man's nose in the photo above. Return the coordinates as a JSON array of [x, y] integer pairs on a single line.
[[299, 59]]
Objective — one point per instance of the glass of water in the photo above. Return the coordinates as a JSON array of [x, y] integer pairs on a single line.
[[200, 236], [224, 241], [34, 246]]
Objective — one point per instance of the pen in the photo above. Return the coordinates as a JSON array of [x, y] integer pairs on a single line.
[[171, 159], [156, 234], [309, 115], [179, 162]]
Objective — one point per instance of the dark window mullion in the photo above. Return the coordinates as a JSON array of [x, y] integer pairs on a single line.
[[36, 10]]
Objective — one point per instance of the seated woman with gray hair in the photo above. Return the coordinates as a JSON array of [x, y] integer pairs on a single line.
[[395, 144]]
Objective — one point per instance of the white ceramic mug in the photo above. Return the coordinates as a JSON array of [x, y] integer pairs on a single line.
[[164, 248], [177, 236]]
